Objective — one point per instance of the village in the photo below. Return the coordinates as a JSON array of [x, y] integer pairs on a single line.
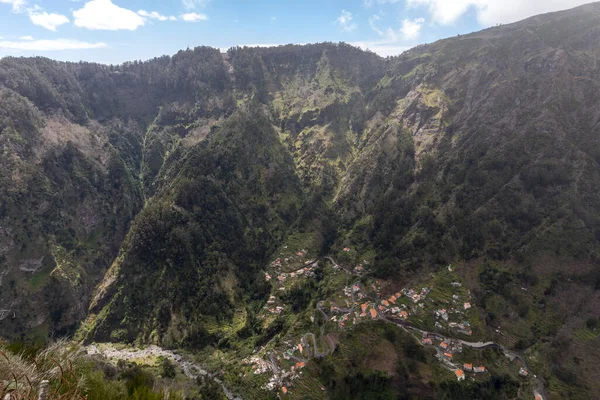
[[439, 315]]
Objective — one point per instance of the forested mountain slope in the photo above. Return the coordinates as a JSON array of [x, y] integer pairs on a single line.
[[156, 192]]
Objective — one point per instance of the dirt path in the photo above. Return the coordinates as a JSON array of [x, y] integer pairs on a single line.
[[190, 369]]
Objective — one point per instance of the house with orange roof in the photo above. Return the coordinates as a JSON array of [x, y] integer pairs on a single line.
[[392, 299], [381, 308], [427, 341], [398, 295], [385, 303], [300, 364], [538, 397], [300, 348], [363, 307], [479, 370], [460, 374], [403, 314], [284, 389], [448, 355], [468, 367], [444, 345], [467, 305], [373, 313]]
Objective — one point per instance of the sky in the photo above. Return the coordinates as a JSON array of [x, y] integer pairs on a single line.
[[115, 31]]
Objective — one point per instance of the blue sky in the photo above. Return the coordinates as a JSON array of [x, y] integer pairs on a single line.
[[114, 31]]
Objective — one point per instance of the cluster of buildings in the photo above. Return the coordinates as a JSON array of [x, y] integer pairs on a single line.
[[280, 261], [460, 324], [442, 313], [461, 327], [259, 366], [368, 310], [284, 374], [450, 347], [307, 271], [353, 289], [447, 348], [359, 269], [280, 278], [460, 373], [415, 296], [391, 306]]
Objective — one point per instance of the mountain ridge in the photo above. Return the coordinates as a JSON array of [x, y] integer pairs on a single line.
[[186, 173]]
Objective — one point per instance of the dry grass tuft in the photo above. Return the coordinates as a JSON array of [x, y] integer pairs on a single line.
[[21, 376]]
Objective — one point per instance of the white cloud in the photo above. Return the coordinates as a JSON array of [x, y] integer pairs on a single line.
[[17, 5], [50, 45], [393, 41], [104, 15], [26, 38], [193, 17], [373, 26], [191, 4], [345, 21], [491, 12], [411, 28], [383, 48], [369, 3], [48, 21], [155, 15], [273, 18]]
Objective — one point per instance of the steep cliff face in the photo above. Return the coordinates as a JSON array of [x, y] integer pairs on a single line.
[[193, 255], [499, 136], [77, 142], [67, 198]]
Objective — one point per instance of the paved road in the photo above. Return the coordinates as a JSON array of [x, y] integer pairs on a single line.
[[316, 352]]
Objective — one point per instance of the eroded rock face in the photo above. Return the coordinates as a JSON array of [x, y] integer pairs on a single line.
[[31, 265], [62, 188]]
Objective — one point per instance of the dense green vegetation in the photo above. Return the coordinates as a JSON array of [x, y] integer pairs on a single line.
[[196, 249], [155, 192]]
